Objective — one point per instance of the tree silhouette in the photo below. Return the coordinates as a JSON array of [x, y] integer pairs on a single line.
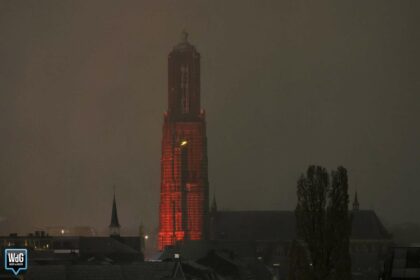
[[299, 268], [323, 222]]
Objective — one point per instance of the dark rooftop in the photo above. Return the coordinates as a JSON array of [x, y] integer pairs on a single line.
[[140, 271], [281, 225]]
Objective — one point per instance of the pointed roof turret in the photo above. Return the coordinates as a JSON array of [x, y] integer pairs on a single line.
[[213, 208], [114, 226], [355, 202]]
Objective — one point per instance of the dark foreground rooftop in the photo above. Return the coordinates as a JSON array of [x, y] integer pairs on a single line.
[[140, 271]]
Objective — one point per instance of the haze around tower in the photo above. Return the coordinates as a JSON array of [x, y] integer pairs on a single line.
[[83, 86]]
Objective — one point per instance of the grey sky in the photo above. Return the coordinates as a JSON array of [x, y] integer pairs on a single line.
[[285, 84]]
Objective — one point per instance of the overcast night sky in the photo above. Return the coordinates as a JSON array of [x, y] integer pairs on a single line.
[[83, 89]]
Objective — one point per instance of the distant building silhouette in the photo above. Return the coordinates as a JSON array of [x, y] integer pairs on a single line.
[[272, 233], [184, 182], [68, 257], [44, 249], [138, 271], [70, 231], [403, 262]]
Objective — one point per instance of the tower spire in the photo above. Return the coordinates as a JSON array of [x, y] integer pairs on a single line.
[[355, 202], [213, 208], [114, 226]]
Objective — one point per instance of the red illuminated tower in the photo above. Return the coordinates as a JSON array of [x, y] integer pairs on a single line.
[[184, 181]]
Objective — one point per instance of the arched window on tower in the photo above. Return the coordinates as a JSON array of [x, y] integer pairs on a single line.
[[185, 102]]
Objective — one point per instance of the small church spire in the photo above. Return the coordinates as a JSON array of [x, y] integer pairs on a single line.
[[355, 202], [114, 226], [213, 208]]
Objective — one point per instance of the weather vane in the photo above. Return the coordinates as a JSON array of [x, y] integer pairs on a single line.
[[184, 36]]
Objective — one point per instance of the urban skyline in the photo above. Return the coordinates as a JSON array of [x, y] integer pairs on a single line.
[[81, 106]]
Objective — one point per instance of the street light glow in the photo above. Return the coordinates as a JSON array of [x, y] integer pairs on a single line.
[[184, 142]]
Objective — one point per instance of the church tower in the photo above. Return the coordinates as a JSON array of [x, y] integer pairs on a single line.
[[184, 181]]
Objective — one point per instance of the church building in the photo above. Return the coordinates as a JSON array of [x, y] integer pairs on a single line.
[[184, 180]]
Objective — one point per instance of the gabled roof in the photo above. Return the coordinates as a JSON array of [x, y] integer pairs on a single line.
[[281, 225], [366, 225], [104, 245], [255, 225]]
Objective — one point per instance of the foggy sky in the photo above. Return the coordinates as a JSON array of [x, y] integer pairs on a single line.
[[83, 88]]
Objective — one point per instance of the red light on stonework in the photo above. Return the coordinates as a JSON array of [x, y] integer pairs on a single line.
[[184, 184]]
